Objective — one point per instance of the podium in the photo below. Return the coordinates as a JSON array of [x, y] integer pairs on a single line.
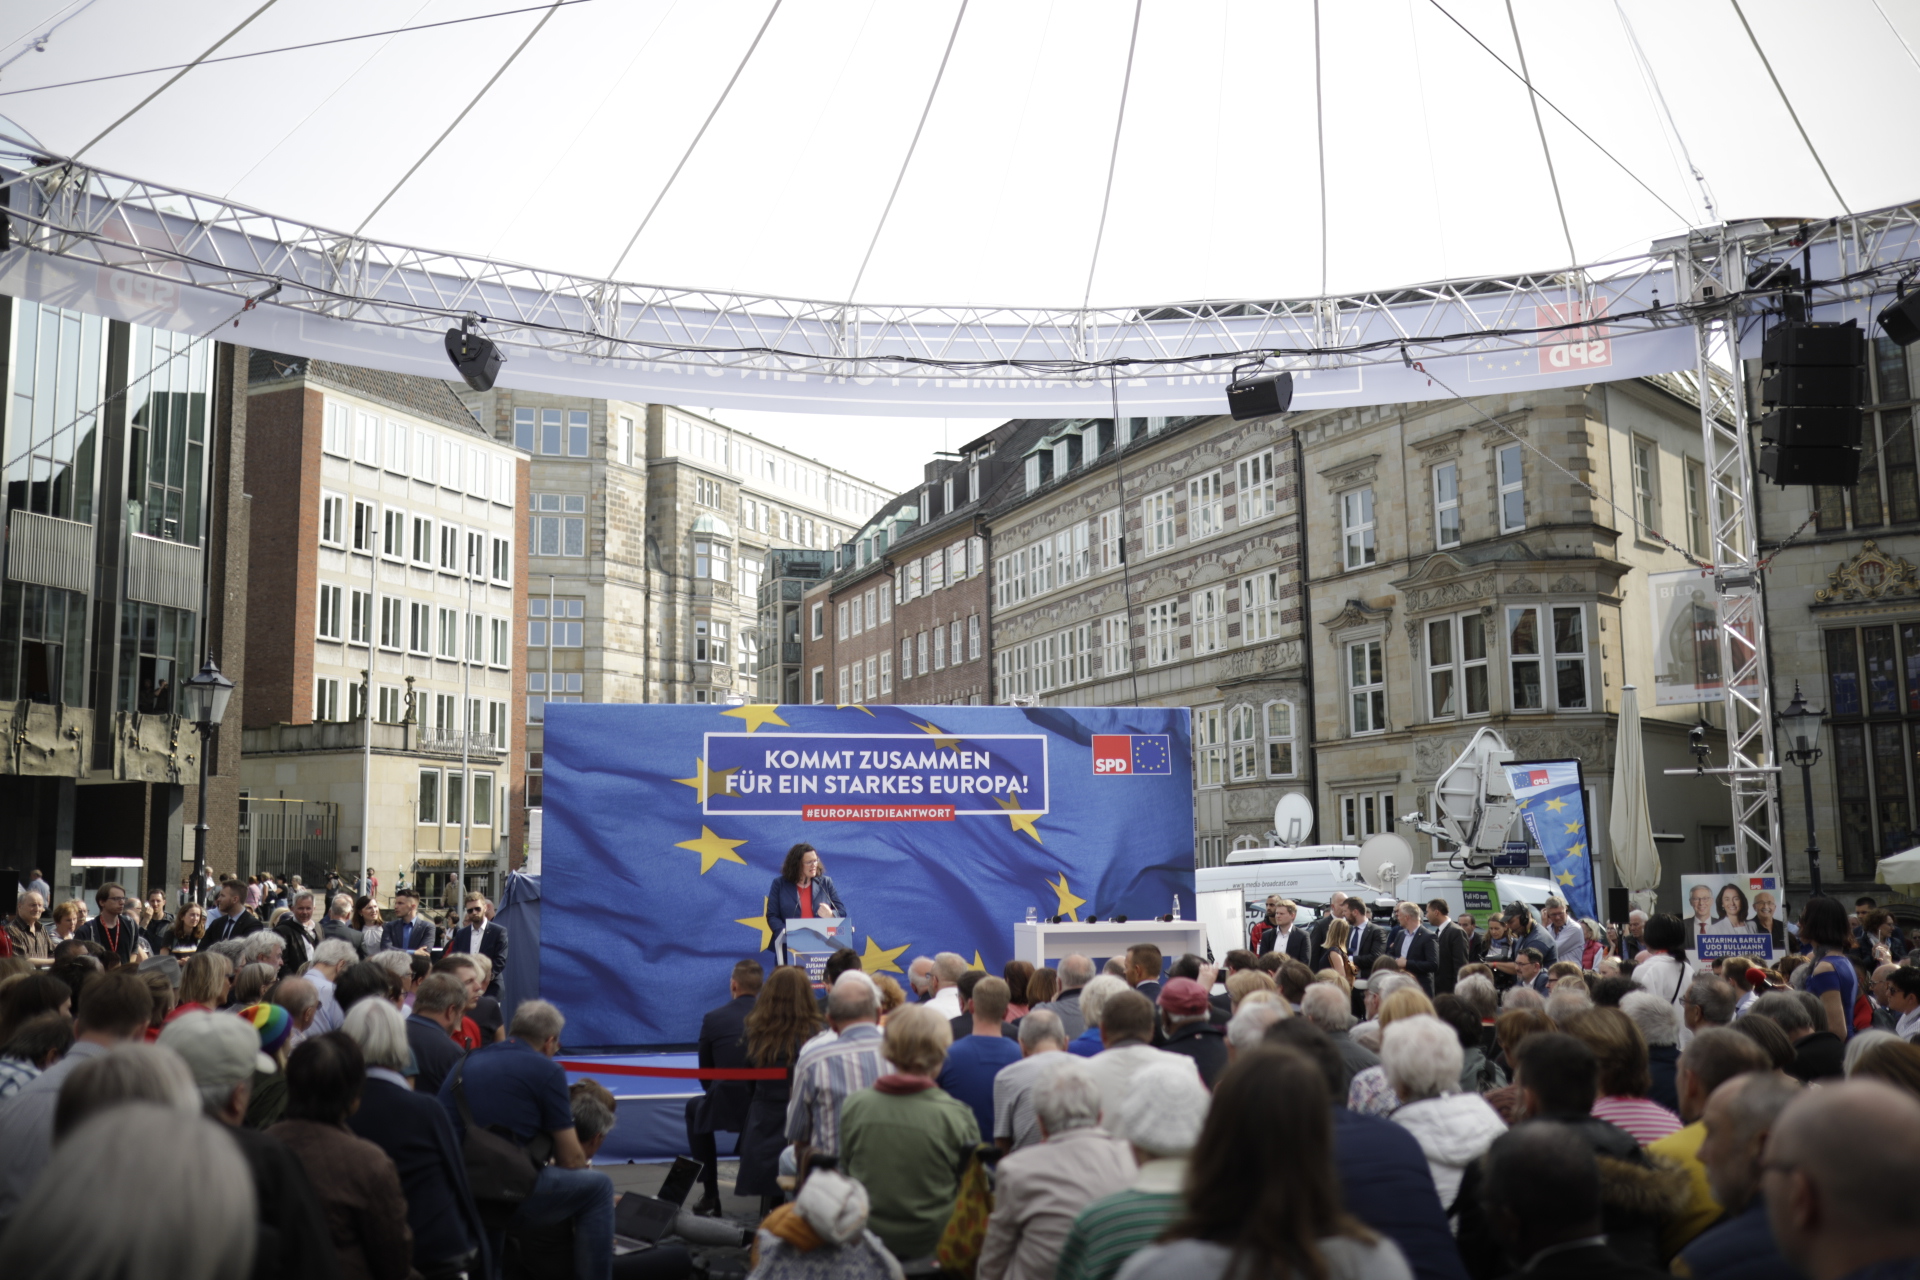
[[808, 942], [1038, 943]]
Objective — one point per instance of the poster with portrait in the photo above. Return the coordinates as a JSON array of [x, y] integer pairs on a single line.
[[1732, 915], [1686, 638]]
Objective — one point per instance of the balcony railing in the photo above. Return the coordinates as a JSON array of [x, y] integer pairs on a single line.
[[451, 741]]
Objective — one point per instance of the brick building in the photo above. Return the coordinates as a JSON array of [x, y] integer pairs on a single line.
[[1161, 568], [906, 619], [126, 562], [389, 588]]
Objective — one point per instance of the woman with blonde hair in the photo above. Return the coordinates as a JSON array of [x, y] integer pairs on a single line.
[[66, 920], [204, 983], [251, 983], [1371, 1093], [1337, 960], [784, 1016], [188, 930], [891, 996]]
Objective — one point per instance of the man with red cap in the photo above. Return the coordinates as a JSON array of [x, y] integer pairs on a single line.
[[1190, 1032]]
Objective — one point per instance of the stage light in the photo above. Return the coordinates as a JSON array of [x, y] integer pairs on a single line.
[[477, 359], [1260, 396], [1901, 319]]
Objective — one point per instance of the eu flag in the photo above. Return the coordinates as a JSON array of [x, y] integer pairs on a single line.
[[1553, 808]]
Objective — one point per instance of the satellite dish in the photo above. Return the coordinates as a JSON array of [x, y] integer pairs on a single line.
[[1293, 819], [1383, 859]]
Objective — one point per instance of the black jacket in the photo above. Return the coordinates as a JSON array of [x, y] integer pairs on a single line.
[[1596, 1262], [723, 1043], [1386, 1183], [127, 936], [1205, 1043], [220, 928], [1450, 944], [1821, 1056], [434, 1051], [783, 898], [1299, 944], [414, 1130], [1423, 957], [493, 945], [294, 1241], [298, 951]]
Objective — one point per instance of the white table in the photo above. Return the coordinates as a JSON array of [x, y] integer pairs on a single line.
[[1039, 943]]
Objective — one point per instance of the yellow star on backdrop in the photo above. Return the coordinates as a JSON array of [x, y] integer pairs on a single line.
[[978, 963], [1020, 821], [850, 706], [712, 849], [880, 959], [755, 714], [1068, 905], [760, 922], [940, 737], [1576, 850], [1571, 828], [1565, 877], [707, 782], [1556, 805]]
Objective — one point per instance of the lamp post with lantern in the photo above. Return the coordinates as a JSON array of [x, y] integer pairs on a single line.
[[1800, 725], [204, 700]]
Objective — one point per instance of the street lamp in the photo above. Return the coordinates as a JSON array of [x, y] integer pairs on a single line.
[[203, 700], [1800, 724]]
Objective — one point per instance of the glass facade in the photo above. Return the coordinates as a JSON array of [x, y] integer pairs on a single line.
[[167, 433], [52, 432]]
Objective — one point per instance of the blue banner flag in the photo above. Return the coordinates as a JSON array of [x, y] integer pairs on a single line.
[[1553, 807], [665, 827]]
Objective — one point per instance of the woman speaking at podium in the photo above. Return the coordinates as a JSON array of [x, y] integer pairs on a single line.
[[802, 890]]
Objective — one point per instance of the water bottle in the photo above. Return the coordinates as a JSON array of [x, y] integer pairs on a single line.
[[1033, 915], [1176, 906]]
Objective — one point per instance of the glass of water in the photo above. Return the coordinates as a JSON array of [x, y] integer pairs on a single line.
[[1033, 915]]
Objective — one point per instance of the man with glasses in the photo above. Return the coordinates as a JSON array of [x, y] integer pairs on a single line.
[[1839, 1208], [481, 936], [157, 919], [1739, 1116], [113, 928]]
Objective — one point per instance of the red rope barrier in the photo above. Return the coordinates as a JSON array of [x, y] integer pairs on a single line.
[[677, 1073]]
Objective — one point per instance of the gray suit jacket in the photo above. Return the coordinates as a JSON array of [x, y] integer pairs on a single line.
[[1067, 1006]]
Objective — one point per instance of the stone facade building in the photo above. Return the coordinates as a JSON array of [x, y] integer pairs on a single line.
[[648, 535], [126, 564], [390, 571], [1843, 617], [1162, 568], [906, 619], [1460, 577]]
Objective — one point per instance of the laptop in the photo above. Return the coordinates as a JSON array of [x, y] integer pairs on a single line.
[[640, 1220]]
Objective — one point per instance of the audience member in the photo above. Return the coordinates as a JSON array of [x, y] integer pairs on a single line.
[[1043, 1044], [1739, 1116], [1715, 1056], [1186, 1015], [906, 1139], [1479, 1074], [1841, 1208], [1766, 1033], [827, 1076], [1621, 1055], [975, 1059], [1666, 971], [1039, 1189], [1370, 1091], [1247, 1029], [823, 1233], [1543, 1195], [1073, 973], [1093, 1002], [1660, 1029], [1126, 1034], [1818, 1054], [783, 1018], [1328, 1008], [126, 1073], [1421, 1056], [1160, 1121]]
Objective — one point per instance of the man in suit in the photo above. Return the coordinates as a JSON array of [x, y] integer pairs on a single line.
[[336, 925], [481, 935], [1367, 941], [1143, 969], [722, 1106], [1280, 935], [1317, 936], [1530, 969], [408, 930], [1450, 947], [1414, 947], [230, 919], [301, 932]]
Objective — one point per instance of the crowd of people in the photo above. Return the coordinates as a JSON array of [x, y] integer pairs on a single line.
[[276, 1098], [1342, 1100]]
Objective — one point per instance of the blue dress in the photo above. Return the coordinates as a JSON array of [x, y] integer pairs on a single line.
[[1843, 980]]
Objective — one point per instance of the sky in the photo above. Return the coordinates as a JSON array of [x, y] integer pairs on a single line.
[[825, 174]]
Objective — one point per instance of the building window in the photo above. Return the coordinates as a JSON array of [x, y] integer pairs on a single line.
[[333, 520], [419, 628], [366, 525], [886, 673], [333, 432], [1108, 552], [476, 564], [356, 701], [1697, 509], [455, 798], [916, 579], [329, 620], [476, 638], [1457, 666], [1523, 659], [1162, 619], [550, 620], [1356, 520], [936, 571], [482, 799], [1873, 681], [1260, 607], [906, 658], [713, 560], [450, 548], [449, 633], [1115, 644], [841, 620], [1254, 487], [706, 492], [920, 644], [559, 524], [1367, 687], [392, 704], [426, 453], [710, 641], [429, 796], [973, 637], [748, 646], [1646, 496], [1888, 490], [1209, 619], [817, 686], [751, 568], [360, 617], [846, 688], [1525, 654], [1279, 717], [819, 628], [1204, 506], [326, 699], [366, 439], [1209, 748], [393, 534], [423, 541], [954, 642], [502, 560], [1570, 658], [1513, 501], [396, 447], [392, 628], [1159, 520], [1365, 815], [1243, 743], [1446, 505], [858, 692]]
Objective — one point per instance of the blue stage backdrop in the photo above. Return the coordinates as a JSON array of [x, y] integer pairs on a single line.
[[939, 826]]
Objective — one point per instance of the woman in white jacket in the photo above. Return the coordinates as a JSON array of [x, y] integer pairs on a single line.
[[1422, 1058]]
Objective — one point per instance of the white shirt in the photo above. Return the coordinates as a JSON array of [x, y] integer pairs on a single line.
[[1909, 1025], [1569, 942], [946, 1002], [1406, 940], [329, 1017]]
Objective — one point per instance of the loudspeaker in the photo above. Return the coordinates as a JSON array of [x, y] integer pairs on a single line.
[[1618, 905], [1786, 466], [1812, 385], [1260, 397], [1822, 342], [477, 359], [1900, 319], [1812, 428]]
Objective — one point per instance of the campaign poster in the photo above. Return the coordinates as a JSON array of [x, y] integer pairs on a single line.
[[1686, 638], [666, 827], [1553, 812], [1732, 915]]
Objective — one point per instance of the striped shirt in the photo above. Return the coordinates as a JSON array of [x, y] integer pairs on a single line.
[[1111, 1230], [822, 1082], [1644, 1118]]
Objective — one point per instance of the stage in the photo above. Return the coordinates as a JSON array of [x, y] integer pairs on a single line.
[[651, 1121]]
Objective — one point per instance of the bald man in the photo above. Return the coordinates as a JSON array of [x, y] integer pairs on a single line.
[[1840, 1205], [1739, 1117]]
